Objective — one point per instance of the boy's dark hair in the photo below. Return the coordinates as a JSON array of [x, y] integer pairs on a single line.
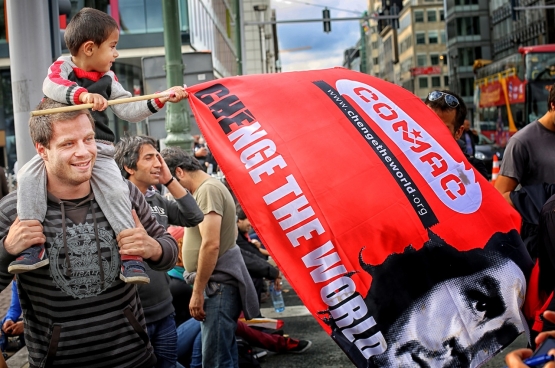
[[128, 150], [176, 157], [441, 105], [551, 98], [88, 25]]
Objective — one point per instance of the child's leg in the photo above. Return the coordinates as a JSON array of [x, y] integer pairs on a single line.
[[31, 205], [112, 194]]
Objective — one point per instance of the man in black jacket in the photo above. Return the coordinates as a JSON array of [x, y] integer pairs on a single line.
[[254, 256], [142, 165]]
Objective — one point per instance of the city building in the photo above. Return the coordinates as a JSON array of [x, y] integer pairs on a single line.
[[260, 41], [468, 39]]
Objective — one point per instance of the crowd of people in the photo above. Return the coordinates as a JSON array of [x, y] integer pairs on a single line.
[[106, 273]]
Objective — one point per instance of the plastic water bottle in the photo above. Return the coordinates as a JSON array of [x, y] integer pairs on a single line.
[[277, 299]]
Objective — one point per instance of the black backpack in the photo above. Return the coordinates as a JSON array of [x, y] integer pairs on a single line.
[[246, 353]]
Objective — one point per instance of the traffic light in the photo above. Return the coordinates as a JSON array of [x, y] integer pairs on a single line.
[[327, 22]]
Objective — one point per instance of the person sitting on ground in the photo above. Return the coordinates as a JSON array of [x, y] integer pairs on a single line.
[[82, 78], [12, 323]]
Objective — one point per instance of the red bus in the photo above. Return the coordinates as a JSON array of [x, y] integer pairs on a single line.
[[512, 92]]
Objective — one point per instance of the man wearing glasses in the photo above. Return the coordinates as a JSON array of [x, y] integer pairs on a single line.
[[451, 109]]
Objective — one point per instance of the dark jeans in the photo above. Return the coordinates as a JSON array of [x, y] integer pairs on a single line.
[[163, 337]]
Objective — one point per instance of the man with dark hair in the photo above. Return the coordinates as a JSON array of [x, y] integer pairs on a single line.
[[77, 311], [451, 109], [213, 262], [141, 164]]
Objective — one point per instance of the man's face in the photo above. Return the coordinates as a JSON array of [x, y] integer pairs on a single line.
[[466, 125], [448, 118], [244, 226], [72, 153], [484, 318], [148, 167], [105, 54]]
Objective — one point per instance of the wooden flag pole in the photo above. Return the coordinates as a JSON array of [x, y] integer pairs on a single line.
[[89, 106]]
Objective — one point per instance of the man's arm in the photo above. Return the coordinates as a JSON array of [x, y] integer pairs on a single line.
[[184, 211], [149, 239], [208, 256], [58, 87], [505, 185]]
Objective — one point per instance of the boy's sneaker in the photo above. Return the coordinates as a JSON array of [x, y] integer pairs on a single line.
[[30, 259], [298, 346], [133, 272]]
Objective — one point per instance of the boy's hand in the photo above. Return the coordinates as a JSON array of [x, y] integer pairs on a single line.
[[99, 102], [175, 94]]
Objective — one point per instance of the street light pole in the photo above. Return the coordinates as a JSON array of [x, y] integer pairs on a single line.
[[178, 127], [261, 9]]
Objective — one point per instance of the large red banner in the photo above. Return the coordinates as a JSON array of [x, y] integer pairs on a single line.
[[399, 248]]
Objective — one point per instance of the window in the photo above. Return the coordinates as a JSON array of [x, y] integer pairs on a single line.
[[434, 59], [468, 26], [441, 16], [432, 15], [444, 58], [423, 82], [436, 82], [446, 81], [432, 37], [421, 60], [421, 38], [418, 16], [375, 61], [467, 86], [442, 36]]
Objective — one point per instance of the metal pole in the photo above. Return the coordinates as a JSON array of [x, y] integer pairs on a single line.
[[262, 42], [30, 57], [238, 35], [178, 127]]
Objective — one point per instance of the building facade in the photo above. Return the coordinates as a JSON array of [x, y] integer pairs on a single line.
[[468, 39], [260, 41], [422, 47]]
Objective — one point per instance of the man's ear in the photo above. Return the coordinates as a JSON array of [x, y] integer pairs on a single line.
[[459, 133], [128, 170], [88, 47], [179, 173], [42, 151]]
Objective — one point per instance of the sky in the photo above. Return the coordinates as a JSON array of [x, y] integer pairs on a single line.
[[326, 49]]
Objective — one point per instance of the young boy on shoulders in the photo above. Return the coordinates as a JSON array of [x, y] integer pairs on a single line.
[[85, 77]]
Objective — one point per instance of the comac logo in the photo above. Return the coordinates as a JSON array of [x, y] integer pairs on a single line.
[[454, 184]]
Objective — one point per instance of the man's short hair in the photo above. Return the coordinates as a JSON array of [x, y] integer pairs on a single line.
[[176, 157], [128, 150], [551, 98], [240, 213], [40, 126], [441, 105], [88, 25]]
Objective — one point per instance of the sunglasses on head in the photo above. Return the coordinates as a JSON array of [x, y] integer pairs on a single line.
[[450, 100]]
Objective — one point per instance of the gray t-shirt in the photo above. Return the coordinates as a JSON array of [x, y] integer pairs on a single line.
[[530, 155]]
